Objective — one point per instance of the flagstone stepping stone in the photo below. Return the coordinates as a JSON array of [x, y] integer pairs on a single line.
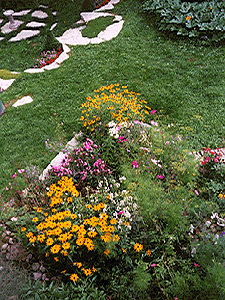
[[39, 14], [43, 6], [24, 34], [21, 13], [74, 37], [39, 70], [24, 100], [114, 1], [1, 20], [35, 24], [108, 6], [54, 13], [53, 26], [111, 31], [5, 29], [66, 48], [1, 38], [52, 66], [88, 16], [61, 58], [5, 83]]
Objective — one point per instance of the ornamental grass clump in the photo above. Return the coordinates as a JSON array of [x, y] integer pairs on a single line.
[[80, 236]]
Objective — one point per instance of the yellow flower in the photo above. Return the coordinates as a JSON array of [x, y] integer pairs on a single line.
[[23, 229], [148, 252], [56, 248], [32, 239], [138, 247], [107, 252], [41, 238], [56, 259], [221, 195], [29, 234], [39, 209], [49, 241], [35, 219], [74, 277], [94, 270], [79, 264], [69, 199], [124, 250], [188, 18], [66, 246], [87, 271]]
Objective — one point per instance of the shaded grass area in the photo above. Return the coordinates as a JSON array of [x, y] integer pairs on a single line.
[[18, 56], [94, 27], [181, 78]]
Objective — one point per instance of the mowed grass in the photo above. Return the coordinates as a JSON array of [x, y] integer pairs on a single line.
[[94, 27], [181, 77]]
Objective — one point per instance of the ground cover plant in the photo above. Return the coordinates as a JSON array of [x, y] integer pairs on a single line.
[[201, 19], [154, 183]]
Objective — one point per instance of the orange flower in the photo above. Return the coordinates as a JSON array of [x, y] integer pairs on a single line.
[[138, 247], [188, 18]]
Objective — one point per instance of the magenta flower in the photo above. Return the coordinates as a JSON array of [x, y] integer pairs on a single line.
[[121, 212], [135, 164], [196, 192], [152, 112], [14, 176], [21, 171], [196, 265], [160, 176], [153, 265]]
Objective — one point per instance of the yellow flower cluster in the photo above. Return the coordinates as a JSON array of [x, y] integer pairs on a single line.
[[122, 104]]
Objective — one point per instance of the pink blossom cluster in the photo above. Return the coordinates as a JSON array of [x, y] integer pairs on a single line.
[[63, 168], [216, 152]]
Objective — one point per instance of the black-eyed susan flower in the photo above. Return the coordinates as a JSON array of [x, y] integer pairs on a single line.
[[138, 247]]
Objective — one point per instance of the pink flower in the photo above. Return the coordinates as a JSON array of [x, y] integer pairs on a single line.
[[14, 176], [21, 171], [196, 192], [152, 112], [160, 176], [196, 265], [154, 123], [167, 143], [153, 265], [7, 188], [135, 164], [121, 212], [14, 219]]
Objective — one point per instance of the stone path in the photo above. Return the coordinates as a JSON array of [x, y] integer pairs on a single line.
[[70, 37]]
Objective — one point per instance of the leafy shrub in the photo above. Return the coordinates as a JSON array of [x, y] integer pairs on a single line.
[[204, 20]]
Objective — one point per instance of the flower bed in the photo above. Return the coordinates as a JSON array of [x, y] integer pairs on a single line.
[[124, 214], [47, 57]]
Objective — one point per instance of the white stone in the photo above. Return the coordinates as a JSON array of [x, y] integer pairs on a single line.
[[24, 34], [52, 66], [73, 37], [39, 70], [114, 1], [23, 101], [96, 40], [13, 72], [54, 13], [21, 13], [108, 6], [43, 6], [1, 38], [80, 22], [111, 31], [39, 14], [6, 29], [88, 16], [63, 56], [35, 24], [1, 20], [56, 162], [5, 83], [66, 48], [53, 26], [117, 18]]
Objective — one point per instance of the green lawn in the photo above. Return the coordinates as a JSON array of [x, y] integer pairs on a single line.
[[180, 76]]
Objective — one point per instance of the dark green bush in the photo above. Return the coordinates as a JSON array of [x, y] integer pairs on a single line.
[[203, 19]]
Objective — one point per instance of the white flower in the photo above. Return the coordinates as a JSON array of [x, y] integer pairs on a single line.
[[14, 219], [191, 228], [217, 236], [214, 216], [208, 223]]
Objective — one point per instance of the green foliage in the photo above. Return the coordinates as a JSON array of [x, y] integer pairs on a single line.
[[204, 20], [50, 41]]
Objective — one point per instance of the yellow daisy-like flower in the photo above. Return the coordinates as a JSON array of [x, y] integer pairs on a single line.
[[41, 238], [29, 234], [39, 209], [87, 271], [35, 219], [78, 264], [94, 270], [32, 239], [148, 252], [138, 247], [92, 234], [124, 250], [74, 277], [23, 229], [69, 199], [221, 195], [65, 253], [56, 259], [49, 241], [73, 216], [56, 248], [107, 252], [66, 246]]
